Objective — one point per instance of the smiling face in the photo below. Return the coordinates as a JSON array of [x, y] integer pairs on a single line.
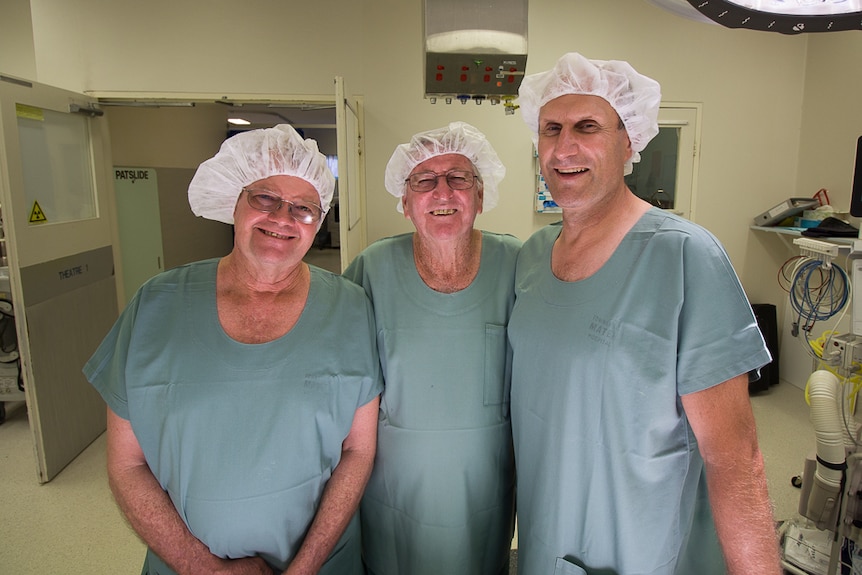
[[443, 213], [582, 150], [275, 238]]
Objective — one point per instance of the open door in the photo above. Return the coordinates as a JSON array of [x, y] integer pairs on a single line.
[[351, 174], [55, 195]]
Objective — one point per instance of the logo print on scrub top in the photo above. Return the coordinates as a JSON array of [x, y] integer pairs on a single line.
[[602, 331]]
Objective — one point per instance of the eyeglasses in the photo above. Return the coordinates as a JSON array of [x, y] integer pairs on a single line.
[[270, 202], [427, 181]]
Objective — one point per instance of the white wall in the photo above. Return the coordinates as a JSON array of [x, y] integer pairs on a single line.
[[832, 121], [17, 53], [256, 46], [752, 86]]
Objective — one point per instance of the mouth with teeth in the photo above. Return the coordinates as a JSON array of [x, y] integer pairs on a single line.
[[569, 171], [442, 212], [274, 235]]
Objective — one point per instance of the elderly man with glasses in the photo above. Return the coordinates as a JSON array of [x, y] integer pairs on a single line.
[[440, 499], [242, 391]]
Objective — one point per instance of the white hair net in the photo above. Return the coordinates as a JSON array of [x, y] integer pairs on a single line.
[[456, 138], [634, 97], [251, 156]]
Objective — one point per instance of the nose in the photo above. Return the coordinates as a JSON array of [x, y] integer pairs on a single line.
[[567, 143], [442, 187]]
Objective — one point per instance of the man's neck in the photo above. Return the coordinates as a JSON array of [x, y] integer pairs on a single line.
[[588, 240]]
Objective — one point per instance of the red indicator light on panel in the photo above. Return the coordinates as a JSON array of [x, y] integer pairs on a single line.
[[441, 67], [463, 77], [465, 68], [439, 77], [487, 77]]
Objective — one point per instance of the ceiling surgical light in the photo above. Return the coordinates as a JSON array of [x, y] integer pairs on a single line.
[[784, 16], [801, 7]]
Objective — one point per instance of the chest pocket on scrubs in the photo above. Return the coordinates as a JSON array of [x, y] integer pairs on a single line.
[[498, 365]]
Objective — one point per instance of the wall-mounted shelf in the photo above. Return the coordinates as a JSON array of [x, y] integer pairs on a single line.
[[788, 234]]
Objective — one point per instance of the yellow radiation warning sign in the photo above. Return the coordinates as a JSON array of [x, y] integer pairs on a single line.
[[36, 214]]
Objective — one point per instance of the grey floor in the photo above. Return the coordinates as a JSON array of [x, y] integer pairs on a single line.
[[71, 525]]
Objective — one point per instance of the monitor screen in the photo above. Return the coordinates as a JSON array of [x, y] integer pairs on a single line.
[[856, 192]]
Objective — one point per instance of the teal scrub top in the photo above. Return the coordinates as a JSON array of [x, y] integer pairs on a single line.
[[243, 437], [610, 479], [440, 498]]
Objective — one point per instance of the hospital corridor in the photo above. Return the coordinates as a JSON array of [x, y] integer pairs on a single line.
[[72, 520]]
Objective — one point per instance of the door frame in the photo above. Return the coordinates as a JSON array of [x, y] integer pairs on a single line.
[[350, 130], [688, 116]]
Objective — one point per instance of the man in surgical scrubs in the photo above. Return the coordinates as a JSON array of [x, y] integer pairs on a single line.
[[242, 391], [633, 345], [440, 498]]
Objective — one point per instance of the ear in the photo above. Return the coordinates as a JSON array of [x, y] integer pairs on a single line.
[[404, 206], [481, 193]]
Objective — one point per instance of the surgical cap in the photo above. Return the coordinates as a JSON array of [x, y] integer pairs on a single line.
[[634, 97], [251, 156], [456, 138]]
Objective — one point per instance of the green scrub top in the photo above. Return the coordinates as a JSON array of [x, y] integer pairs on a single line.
[[243, 437], [440, 498], [610, 479]]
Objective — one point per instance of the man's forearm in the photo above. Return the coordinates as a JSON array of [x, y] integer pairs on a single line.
[[744, 519], [148, 508], [337, 506], [724, 425], [152, 515]]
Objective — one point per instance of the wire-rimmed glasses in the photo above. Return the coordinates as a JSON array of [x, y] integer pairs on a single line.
[[427, 181], [269, 202]]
